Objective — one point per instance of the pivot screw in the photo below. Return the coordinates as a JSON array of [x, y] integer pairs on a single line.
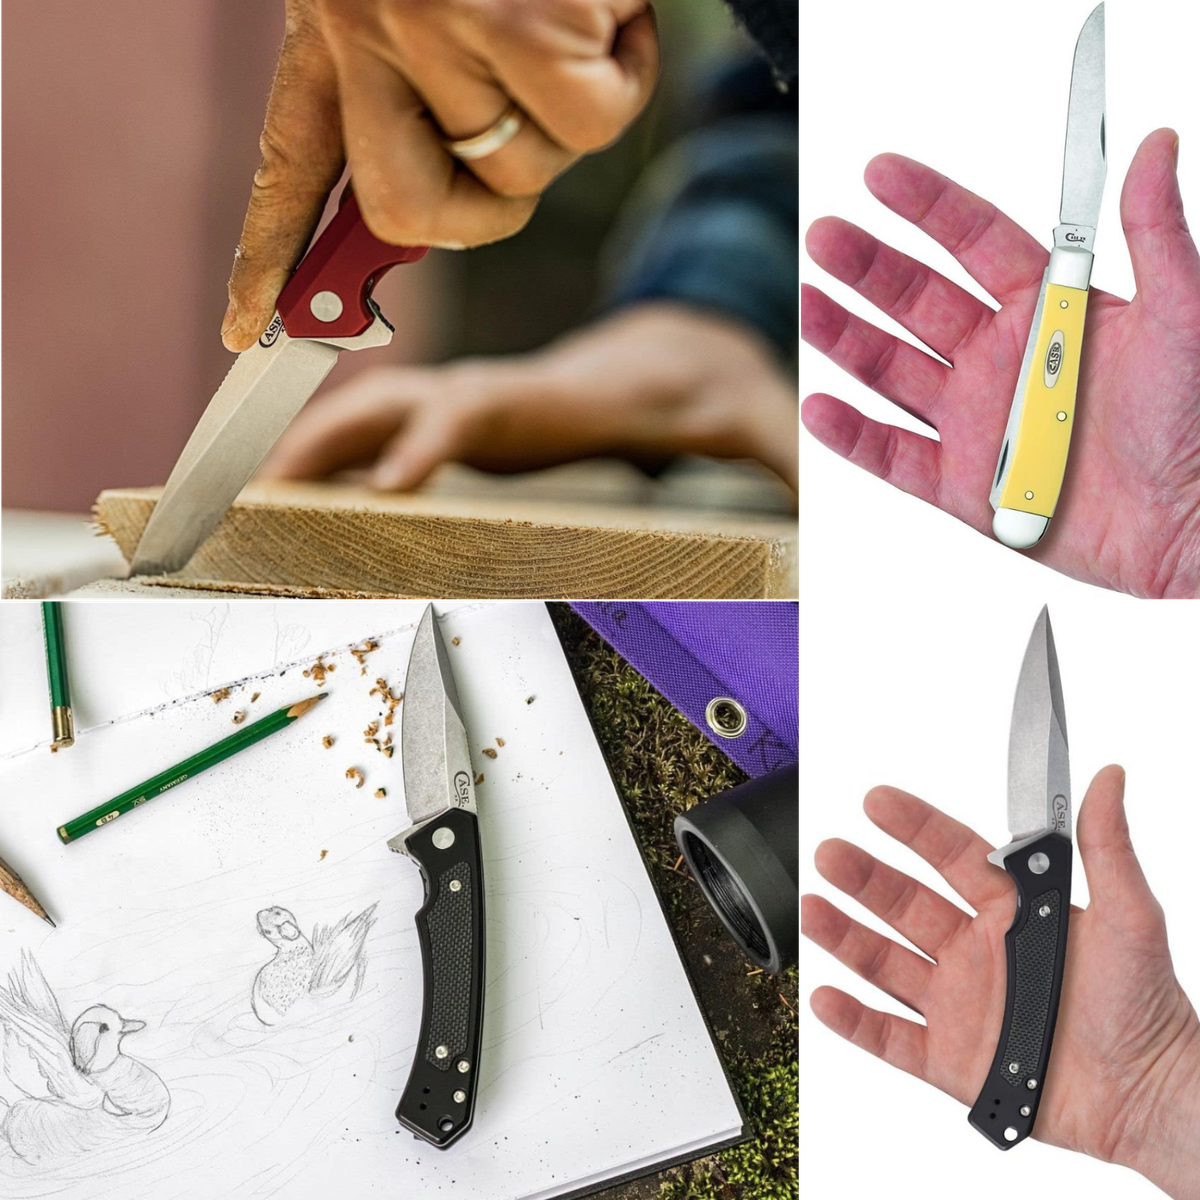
[[443, 838], [1062, 416], [1039, 863], [326, 306]]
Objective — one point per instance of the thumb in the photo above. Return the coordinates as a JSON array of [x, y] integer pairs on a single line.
[[302, 159], [1166, 266], [1118, 889]]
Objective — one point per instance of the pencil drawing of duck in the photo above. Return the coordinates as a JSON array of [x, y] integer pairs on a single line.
[[66, 1091], [317, 967]]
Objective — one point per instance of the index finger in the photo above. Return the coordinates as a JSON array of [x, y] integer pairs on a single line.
[[955, 851], [994, 249]]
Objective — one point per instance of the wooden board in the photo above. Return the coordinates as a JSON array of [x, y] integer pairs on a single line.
[[312, 539]]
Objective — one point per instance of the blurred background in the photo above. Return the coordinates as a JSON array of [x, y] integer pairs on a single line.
[[130, 136]]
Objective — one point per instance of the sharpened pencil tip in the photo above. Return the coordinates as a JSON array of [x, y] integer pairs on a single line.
[[46, 918]]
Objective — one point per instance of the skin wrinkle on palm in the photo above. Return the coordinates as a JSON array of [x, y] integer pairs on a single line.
[[1130, 1097], [1129, 515]]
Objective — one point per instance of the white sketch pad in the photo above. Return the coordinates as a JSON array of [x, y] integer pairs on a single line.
[[596, 1061]]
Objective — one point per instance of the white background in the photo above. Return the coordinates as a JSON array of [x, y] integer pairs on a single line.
[[913, 687], [980, 93]]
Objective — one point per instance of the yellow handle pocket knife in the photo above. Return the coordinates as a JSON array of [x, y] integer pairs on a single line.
[[1033, 455]]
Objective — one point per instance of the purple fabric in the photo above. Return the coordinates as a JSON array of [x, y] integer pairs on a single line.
[[695, 651]]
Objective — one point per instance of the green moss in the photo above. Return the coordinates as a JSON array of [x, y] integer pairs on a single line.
[[662, 765]]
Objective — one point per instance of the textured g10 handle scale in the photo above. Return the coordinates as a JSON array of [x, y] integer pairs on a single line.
[[1036, 455], [438, 1103], [1036, 947]]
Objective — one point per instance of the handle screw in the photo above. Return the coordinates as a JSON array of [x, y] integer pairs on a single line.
[[442, 1051], [1031, 1084], [1044, 911], [456, 886], [1013, 1068], [460, 1097], [1025, 1110], [463, 1066]]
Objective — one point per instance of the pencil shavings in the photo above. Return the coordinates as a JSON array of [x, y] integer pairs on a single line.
[[219, 695], [319, 670], [355, 773], [255, 697], [360, 654], [239, 716], [323, 853], [499, 741], [371, 730], [489, 752], [382, 690], [479, 779], [455, 641], [327, 741], [380, 793]]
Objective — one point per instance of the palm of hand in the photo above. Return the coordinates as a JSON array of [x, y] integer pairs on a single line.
[[1129, 515], [1108, 1016]]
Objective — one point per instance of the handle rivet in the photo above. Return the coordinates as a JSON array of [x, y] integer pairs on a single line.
[[1063, 304], [463, 1066], [326, 306], [1044, 911], [443, 838], [1039, 863], [1013, 1068], [1062, 416], [1025, 1110], [1028, 495], [1031, 1084], [1010, 1134], [460, 1097], [456, 886], [442, 1051]]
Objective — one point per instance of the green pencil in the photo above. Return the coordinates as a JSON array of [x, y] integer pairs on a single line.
[[62, 720], [164, 781]]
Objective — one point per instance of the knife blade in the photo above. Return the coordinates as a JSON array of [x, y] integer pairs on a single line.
[[325, 308], [438, 1102], [1039, 860], [1037, 438]]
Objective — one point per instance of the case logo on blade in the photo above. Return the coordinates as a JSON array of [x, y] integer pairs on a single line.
[[1060, 814], [271, 333], [1076, 237], [1054, 358], [462, 789]]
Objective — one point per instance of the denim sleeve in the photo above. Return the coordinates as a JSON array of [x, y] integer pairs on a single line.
[[715, 224]]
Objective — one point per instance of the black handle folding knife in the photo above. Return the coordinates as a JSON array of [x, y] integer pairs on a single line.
[[438, 1103], [1038, 860]]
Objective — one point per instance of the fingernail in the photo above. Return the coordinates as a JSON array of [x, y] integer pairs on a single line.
[[1175, 151], [229, 320]]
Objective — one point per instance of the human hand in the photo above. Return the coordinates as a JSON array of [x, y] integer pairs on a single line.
[[381, 83], [648, 382], [1129, 514], [1123, 1083]]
